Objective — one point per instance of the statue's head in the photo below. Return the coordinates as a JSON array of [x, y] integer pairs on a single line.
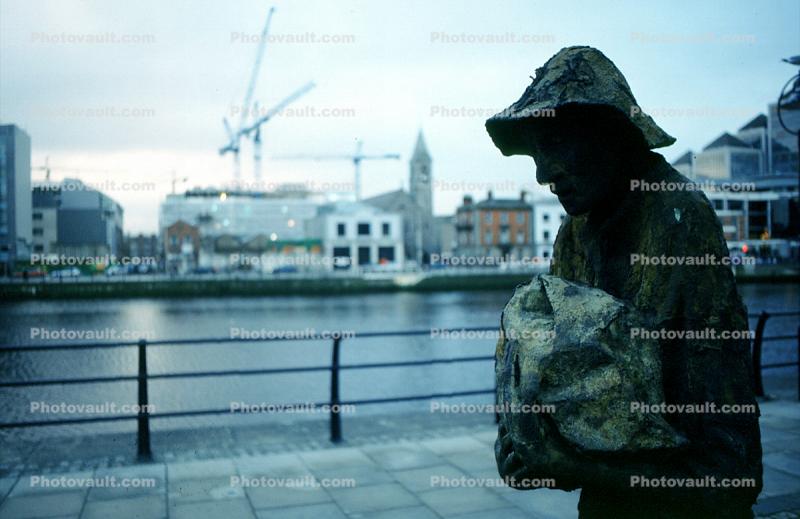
[[582, 126]]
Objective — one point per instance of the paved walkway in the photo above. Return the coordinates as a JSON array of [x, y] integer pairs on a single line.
[[392, 480]]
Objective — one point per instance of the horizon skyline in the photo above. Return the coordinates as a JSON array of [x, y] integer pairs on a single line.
[[395, 72]]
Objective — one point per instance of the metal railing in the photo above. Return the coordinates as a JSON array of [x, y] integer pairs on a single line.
[[757, 347], [143, 417]]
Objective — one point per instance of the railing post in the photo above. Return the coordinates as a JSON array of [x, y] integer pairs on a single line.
[[336, 418], [758, 384], [143, 433]]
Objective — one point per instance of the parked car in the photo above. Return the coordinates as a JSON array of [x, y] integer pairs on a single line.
[[70, 272], [116, 270], [30, 273]]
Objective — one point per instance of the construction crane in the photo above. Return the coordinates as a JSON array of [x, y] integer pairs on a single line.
[[176, 180], [253, 130], [355, 158], [234, 137], [47, 168]]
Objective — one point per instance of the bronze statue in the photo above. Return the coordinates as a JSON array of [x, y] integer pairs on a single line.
[[592, 144]]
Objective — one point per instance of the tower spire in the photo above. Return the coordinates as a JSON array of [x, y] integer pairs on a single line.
[[420, 149]]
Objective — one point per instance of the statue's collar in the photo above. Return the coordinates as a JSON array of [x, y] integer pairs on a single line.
[[628, 207]]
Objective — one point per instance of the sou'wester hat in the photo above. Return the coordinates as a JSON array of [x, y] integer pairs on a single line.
[[573, 76]]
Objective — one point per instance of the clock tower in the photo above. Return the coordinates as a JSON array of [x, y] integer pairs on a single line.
[[420, 177], [421, 191]]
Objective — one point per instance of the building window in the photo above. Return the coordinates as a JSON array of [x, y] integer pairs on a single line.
[[562, 217], [38, 248], [341, 257], [504, 236], [504, 218], [735, 205], [340, 229], [37, 231], [520, 237], [363, 255], [546, 254], [487, 217], [546, 217], [363, 229], [487, 238], [718, 204], [386, 229], [385, 255], [546, 235], [37, 216]]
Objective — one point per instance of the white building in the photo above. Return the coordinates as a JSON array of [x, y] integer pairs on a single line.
[[547, 217], [729, 158], [359, 235]]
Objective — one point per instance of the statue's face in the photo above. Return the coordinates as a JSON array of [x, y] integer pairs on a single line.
[[577, 168], [584, 155]]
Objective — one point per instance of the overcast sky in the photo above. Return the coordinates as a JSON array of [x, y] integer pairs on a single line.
[[150, 99]]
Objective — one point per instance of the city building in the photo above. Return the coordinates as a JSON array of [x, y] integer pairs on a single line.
[[251, 230], [181, 247], [141, 246], [46, 203], [416, 206], [749, 225], [760, 148], [145, 249], [728, 158], [260, 254], [359, 235], [495, 227], [547, 217], [685, 164], [764, 214], [88, 222], [280, 215], [16, 234], [784, 156], [421, 190], [73, 219], [445, 228]]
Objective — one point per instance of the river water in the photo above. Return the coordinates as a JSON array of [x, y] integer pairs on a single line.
[[29, 323]]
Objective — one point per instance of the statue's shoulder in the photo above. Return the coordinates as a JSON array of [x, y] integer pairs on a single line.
[[679, 202]]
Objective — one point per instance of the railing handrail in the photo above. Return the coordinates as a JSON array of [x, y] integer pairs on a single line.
[[142, 377], [312, 337], [344, 334], [241, 372]]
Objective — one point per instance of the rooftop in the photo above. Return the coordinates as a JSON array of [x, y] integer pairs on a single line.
[[726, 140], [759, 121], [686, 158]]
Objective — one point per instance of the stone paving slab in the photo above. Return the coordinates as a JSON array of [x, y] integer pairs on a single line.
[[389, 479]]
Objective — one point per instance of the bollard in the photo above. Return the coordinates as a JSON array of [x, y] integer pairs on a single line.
[[143, 433], [336, 418]]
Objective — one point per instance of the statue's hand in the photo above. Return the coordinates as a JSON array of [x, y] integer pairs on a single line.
[[549, 461], [509, 464]]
